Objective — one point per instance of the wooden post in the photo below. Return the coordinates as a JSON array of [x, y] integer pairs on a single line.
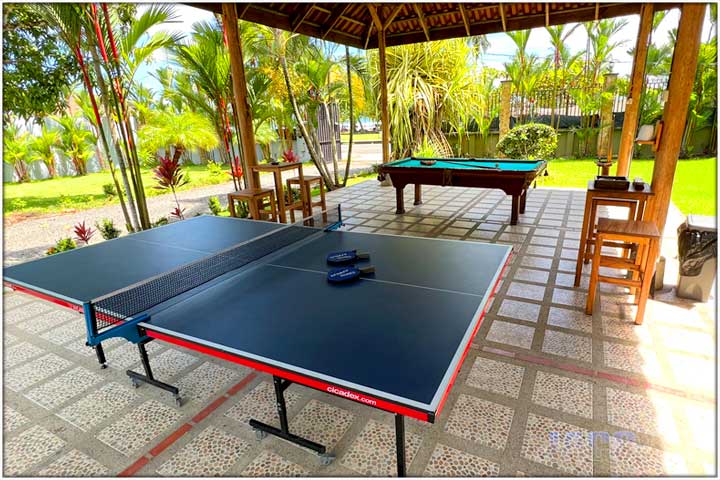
[[240, 103], [604, 144], [505, 87], [682, 78], [632, 106], [384, 117]]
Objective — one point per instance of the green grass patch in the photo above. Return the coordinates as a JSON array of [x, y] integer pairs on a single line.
[[694, 187], [82, 193]]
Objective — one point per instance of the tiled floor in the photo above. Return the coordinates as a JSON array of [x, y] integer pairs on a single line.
[[545, 390]]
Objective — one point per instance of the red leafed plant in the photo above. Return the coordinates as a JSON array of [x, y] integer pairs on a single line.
[[290, 156], [236, 170], [177, 213], [169, 175], [83, 232]]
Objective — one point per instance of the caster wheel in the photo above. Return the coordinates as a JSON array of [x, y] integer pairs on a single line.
[[260, 434], [103, 366], [178, 401], [326, 458], [135, 383]]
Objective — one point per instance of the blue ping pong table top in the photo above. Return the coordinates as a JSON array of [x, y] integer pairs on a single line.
[[399, 335], [102, 268]]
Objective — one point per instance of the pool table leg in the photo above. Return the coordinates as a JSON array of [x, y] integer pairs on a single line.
[[515, 212], [418, 194], [523, 197], [399, 199]]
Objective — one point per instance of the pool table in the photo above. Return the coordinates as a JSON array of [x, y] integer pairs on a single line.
[[512, 176]]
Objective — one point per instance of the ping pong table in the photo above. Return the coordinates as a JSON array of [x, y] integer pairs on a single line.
[[256, 293]]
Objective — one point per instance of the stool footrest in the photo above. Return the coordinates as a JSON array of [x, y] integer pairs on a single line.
[[626, 282], [616, 262]]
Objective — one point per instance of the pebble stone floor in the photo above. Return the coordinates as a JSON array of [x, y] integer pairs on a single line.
[[544, 391]]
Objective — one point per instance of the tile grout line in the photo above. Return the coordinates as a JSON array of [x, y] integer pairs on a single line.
[[596, 374], [168, 441]]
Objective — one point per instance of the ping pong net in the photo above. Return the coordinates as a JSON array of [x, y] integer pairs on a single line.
[[115, 308]]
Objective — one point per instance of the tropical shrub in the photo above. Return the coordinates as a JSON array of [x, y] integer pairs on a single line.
[[109, 189], [529, 141], [214, 206], [107, 229], [17, 150], [215, 169], [43, 148], [170, 175], [83, 233], [62, 245], [425, 150], [76, 141]]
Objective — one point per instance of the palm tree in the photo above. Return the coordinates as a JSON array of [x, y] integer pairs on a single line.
[[75, 141], [558, 36], [182, 132], [429, 85], [17, 151], [43, 148]]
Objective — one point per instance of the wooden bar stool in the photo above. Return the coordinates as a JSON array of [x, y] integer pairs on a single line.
[[257, 205], [645, 237], [306, 184], [635, 199]]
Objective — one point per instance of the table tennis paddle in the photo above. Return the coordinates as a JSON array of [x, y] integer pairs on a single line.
[[340, 258], [348, 273]]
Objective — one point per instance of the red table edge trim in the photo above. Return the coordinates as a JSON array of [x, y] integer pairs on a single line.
[[296, 378], [44, 296]]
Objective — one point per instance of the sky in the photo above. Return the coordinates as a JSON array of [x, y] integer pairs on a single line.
[[501, 48]]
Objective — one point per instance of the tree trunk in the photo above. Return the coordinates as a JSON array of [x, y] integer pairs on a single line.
[[132, 207], [352, 118], [301, 125], [333, 145]]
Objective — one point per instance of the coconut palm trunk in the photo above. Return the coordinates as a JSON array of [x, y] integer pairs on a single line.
[[352, 118], [301, 124]]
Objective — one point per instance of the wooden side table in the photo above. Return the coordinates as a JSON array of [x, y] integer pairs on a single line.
[[277, 169], [254, 197], [635, 200]]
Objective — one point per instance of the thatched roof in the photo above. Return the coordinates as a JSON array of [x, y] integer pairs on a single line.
[[355, 24]]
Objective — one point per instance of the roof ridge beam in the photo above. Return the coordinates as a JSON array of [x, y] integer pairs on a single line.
[[465, 18]]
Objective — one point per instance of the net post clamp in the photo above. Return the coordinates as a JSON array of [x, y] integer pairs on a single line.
[[126, 329]]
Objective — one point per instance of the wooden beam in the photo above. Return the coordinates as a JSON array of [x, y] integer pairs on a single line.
[[335, 14], [637, 77], [303, 11], [369, 34], [682, 79], [240, 102], [375, 17], [597, 11], [384, 116], [243, 11], [547, 15], [502, 16], [421, 19], [392, 16], [465, 18]]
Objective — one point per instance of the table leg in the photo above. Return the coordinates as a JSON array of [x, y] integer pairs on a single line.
[[514, 213], [400, 444], [648, 274], [523, 197], [100, 353], [399, 199], [280, 196], [231, 206], [583, 239], [418, 194], [305, 197]]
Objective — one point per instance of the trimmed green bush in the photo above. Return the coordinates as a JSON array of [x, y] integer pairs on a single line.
[[107, 229], [62, 245], [530, 141], [214, 206]]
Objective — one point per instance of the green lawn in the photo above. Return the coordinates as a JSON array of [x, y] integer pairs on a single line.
[[694, 188], [81, 193], [359, 137]]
